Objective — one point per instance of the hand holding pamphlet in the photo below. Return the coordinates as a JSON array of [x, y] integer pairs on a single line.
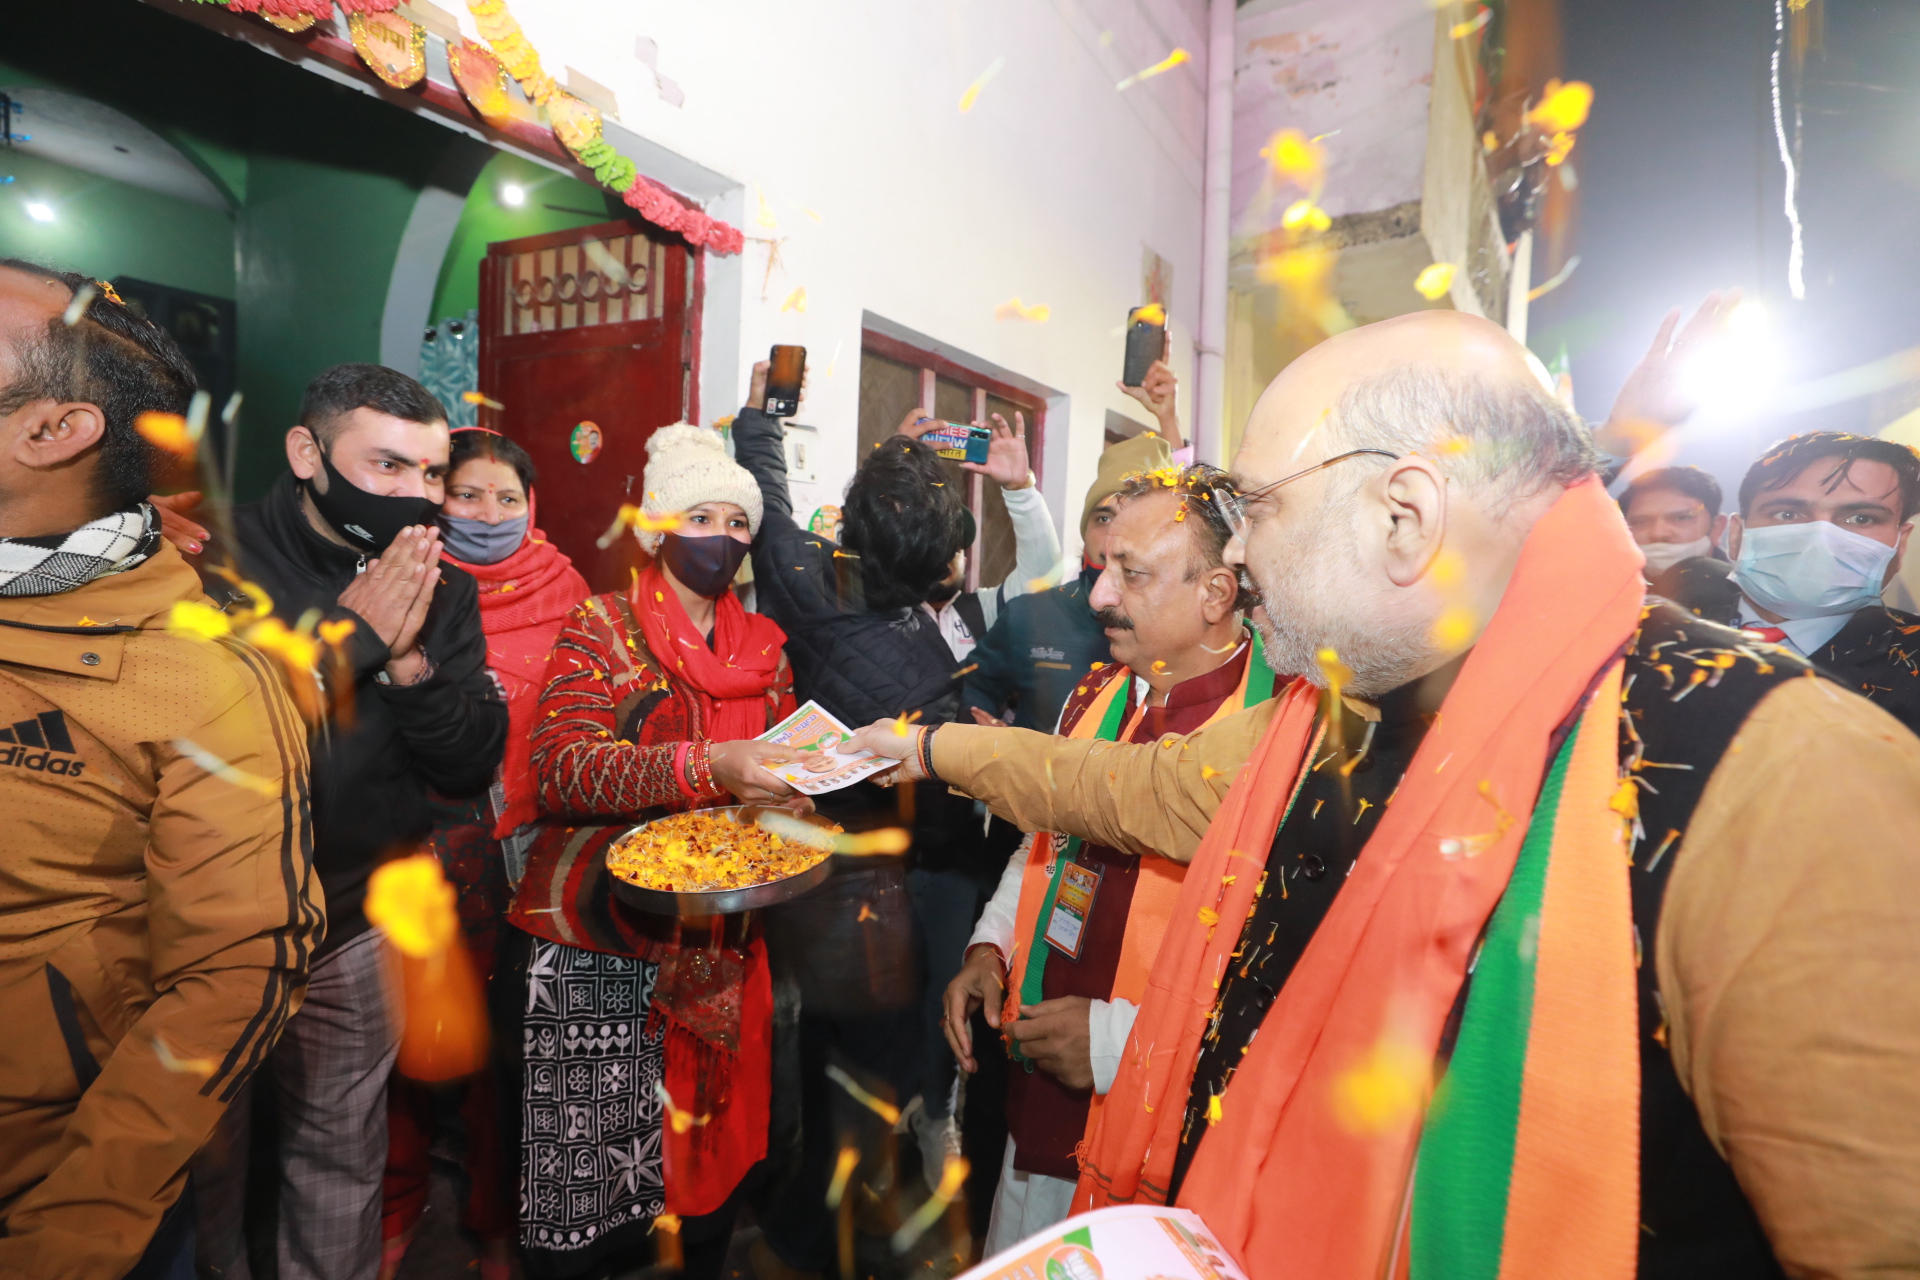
[[816, 736]]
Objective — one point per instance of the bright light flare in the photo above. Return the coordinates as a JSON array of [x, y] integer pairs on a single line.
[[39, 211], [1739, 368], [513, 195]]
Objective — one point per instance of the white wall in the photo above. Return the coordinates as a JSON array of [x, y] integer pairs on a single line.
[[1359, 71], [1047, 189]]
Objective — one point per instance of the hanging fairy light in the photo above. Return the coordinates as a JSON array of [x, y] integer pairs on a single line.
[[1796, 253]]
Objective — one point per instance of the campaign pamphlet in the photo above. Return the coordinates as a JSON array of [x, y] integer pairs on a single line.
[[1128, 1242], [808, 731]]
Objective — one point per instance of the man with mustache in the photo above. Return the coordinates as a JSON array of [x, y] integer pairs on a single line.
[[1548, 899], [1076, 922]]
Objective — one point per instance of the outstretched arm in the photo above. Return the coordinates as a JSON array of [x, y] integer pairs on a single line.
[[1142, 798]]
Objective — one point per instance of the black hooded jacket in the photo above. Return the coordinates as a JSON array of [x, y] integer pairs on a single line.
[[371, 775], [860, 664]]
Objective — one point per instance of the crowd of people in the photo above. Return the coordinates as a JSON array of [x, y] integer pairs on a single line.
[[1555, 842]]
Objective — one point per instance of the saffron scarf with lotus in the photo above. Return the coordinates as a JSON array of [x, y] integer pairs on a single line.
[[1504, 850]]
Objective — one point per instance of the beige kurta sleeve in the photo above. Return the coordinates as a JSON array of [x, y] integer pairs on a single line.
[[1789, 964], [1147, 798]]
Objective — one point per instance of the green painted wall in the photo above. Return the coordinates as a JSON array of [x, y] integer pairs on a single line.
[[316, 243], [486, 218], [325, 178], [106, 228], [225, 167]]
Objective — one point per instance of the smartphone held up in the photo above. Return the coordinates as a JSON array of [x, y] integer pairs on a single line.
[[960, 442], [786, 372], [1146, 342]]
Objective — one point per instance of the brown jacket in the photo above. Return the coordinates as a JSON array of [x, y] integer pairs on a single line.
[[155, 918], [1788, 952]]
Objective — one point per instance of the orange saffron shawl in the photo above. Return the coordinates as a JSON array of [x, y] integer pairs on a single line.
[[1309, 1175]]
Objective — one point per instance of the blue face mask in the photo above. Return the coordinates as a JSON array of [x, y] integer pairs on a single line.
[[1811, 570], [477, 542]]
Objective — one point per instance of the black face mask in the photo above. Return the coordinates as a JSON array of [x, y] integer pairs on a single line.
[[368, 521], [704, 566]]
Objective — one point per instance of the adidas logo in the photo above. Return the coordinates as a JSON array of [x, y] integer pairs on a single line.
[[40, 744]]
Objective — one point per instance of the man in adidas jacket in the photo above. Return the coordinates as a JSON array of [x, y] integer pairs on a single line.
[[157, 908]]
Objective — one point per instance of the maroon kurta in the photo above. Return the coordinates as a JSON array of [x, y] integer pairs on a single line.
[[1046, 1118]]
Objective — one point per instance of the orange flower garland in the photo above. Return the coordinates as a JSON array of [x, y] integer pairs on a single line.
[[576, 124], [581, 131]]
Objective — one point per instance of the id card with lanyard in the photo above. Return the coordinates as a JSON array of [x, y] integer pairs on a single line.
[[1073, 889]]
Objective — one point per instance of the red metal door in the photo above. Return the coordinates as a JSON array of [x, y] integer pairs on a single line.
[[589, 325]]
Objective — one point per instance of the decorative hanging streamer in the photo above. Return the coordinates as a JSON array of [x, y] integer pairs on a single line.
[[482, 80], [284, 9], [575, 123], [580, 130], [393, 48]]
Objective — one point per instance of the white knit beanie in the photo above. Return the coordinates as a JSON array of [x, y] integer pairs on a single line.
[[688, 465]]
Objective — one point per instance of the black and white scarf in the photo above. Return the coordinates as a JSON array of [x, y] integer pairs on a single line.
[[59, 562]]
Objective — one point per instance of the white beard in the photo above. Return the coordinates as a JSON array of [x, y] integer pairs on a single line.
[[1313, 603]]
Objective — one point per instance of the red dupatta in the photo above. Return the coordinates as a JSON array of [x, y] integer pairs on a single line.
[[731, 676]]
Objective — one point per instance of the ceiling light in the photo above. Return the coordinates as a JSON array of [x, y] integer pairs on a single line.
[[513, 195], [39, 211]]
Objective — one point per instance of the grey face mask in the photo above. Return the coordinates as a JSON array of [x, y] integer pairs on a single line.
[[477, 542]]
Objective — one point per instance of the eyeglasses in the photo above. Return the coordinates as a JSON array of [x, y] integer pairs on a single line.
[[1232, 504]]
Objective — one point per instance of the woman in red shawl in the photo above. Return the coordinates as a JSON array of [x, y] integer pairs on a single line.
[[647, 1062], [527, 589]]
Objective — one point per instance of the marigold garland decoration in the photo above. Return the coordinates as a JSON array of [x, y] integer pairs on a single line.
[[271, 9], [580, 130], [576, 124]]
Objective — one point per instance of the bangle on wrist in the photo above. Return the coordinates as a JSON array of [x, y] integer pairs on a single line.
[[683, 770], [700, 770], [926, 753]]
